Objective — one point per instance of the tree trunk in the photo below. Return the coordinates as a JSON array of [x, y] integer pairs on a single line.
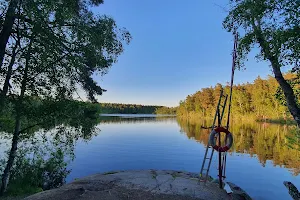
[[12, 155], [9, 71], [288, 92], [15, 140], [7, 28], [284, 85], [7, 78]]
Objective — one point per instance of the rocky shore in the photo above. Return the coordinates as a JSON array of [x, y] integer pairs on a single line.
[[141, 185]]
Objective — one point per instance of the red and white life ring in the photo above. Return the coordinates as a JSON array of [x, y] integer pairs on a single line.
[[229, 139]]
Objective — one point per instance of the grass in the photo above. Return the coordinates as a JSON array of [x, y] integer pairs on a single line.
[[111, 172], [154, 174], [174, 175], [17, 191]]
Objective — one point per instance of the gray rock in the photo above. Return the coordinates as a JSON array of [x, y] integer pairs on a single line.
[[136, 185]]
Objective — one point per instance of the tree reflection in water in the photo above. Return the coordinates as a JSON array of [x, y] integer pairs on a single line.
[[278, 143], [44, 153]]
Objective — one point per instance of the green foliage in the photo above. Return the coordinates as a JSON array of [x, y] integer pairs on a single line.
[[261, 99], [272, 24], [111, 172], [45, 149], [59, 46], [294, 139], [46, 113], [52, 49], [294, 82], [35, 173], [117, 108], [166, 110]]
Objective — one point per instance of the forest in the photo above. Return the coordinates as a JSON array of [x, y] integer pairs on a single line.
[[118, 108], [261, 100]]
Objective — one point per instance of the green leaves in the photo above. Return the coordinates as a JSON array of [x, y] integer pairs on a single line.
[[277, 21], [48, 134], [273, 25], [260, 99], [45, 114], [52, 48], [32, 174], [69, 46], [166, 110], [295, 84]]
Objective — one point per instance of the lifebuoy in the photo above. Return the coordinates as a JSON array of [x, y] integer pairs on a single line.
[[229, 139]]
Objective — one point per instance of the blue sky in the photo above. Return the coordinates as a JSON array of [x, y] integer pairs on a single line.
[[177, 49]]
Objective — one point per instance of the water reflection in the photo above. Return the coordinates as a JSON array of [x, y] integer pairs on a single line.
[[267, 142], [44, 153], [132, 119], [263, 140], [168, 143], [51, 155]]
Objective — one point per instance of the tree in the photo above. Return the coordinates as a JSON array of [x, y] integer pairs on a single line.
[[273, 25], [56, 47], [262, 99], [60, 31], [62, 10], [190, 103], [57, 133], [207, 100], [241, 103]]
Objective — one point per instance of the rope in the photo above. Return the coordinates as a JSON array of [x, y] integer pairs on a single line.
[[220, 154], [234, 56], [222, 171]]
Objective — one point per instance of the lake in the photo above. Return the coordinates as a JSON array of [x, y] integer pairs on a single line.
[[259, 161]]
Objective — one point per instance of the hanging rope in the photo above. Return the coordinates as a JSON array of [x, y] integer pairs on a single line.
[[222, 165], [234, 56]]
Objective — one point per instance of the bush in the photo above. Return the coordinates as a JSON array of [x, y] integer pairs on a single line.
[[35, 174]]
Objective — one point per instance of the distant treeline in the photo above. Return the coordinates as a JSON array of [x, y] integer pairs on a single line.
[[261, 99], [118, 108]]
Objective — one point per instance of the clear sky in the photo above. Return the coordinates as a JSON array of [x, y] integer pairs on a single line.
[[178, 47]]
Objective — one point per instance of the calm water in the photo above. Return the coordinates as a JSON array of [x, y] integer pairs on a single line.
[[259, 162], [164, 143]]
